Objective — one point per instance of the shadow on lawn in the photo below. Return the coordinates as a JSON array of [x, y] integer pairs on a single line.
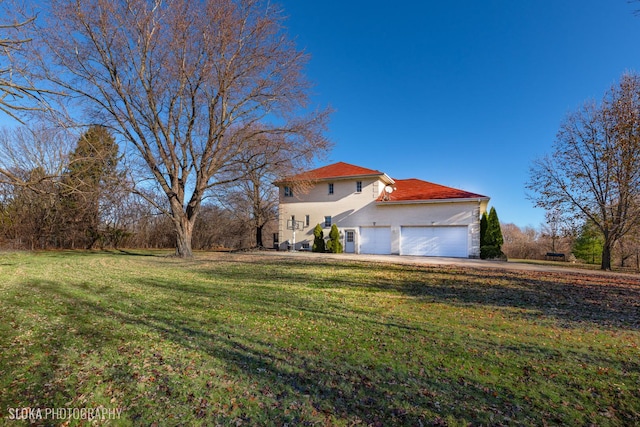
[[345, 386], [295, 383], [570, 298], [611, 301]]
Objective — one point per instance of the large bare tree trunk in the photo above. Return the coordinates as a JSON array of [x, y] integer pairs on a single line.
[[606, 253], [184, 233], [183, 220], [259, 242]]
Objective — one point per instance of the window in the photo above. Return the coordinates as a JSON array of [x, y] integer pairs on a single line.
[[358, 186], [306, 246], [331, 188], [276, 238], [306, 220], [288, 192], [350, 236], [327, 221]]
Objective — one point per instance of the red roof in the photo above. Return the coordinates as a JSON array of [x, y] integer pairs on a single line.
[[336, 170], [416, 189], [404, 189]]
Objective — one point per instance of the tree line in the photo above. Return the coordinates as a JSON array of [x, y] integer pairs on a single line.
[[582, 244], [91, 204]]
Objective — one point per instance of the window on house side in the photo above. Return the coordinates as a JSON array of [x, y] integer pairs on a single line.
[[331, 188], [306, 220], [327, 221], [358, 186], [288, 192]]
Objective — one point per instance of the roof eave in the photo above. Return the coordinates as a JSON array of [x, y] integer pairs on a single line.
[[433, 201]]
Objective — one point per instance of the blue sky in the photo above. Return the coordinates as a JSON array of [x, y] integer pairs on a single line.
[[465, 94]]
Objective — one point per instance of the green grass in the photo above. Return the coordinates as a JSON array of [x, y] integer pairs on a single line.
[[252, 339]]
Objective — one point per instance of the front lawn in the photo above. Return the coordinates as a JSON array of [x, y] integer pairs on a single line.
[[263, 339]]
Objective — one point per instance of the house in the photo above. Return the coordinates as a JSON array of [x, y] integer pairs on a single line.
[[379, 215]]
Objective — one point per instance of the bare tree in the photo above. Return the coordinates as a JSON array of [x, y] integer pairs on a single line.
[[253, 201], [628, 249], [22, 94], [594, 172], [552, 229], [189, 85], [219, 228], [40, 146], [520, 243], [31, 214], [254, 198], [15, 82]]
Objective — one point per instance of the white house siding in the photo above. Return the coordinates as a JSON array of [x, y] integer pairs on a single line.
[[351, 210], [346, 207]]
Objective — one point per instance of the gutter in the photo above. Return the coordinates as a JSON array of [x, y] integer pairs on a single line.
[[431, 201]]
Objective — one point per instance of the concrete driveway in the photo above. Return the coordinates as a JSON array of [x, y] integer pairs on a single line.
[[462, 262]]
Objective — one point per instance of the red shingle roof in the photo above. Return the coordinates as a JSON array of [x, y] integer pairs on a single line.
[[416, 189], [405, 190], [336, 170]]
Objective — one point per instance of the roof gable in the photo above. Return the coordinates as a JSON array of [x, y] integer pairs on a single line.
[[415, 189], [335, 170]]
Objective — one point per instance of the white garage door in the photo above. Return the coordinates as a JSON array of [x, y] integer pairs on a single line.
[[375, 240], [434, 241]]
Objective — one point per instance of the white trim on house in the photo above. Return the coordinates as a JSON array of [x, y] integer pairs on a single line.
[[415, 202]]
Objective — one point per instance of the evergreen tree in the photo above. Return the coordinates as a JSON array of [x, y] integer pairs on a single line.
[[491, 239], [334, 245], [589, 243], [88, 186], [318, 239], [494, 233], [483, 229]]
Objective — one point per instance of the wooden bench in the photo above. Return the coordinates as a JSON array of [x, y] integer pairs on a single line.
[[553, 256]]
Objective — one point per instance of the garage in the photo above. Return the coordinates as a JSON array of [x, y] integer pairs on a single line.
[[375, 240], [434, 241]]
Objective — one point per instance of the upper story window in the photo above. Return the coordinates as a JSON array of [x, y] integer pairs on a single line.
[[358, 186], [307, 220], [331, 188], [288, 192], [327, 221]]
